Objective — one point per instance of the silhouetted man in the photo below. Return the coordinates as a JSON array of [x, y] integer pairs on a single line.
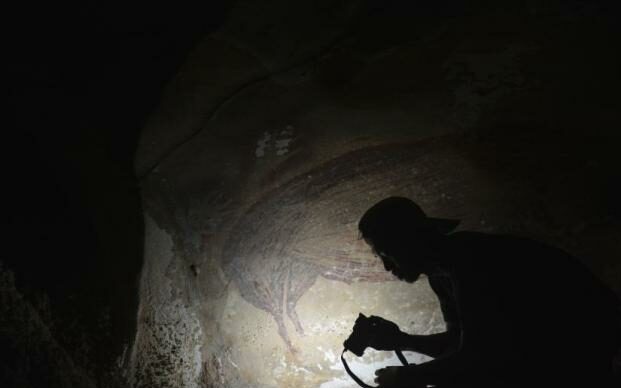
[[518, 313]]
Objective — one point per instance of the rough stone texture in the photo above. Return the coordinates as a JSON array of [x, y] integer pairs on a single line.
[[37, 357], [254, 274], [169, 335]]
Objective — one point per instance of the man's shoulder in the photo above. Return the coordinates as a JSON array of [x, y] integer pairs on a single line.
[[480, 240], [516, 254], [487, 240], [479, 246]]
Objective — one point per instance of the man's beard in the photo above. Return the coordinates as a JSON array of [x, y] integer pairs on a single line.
[[405, 276]]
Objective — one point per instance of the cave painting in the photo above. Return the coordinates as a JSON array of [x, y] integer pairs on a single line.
[[307, 227]]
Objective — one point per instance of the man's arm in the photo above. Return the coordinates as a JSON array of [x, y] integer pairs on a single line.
[[388, 336], [441, 344], [434, 345], [431, 372]]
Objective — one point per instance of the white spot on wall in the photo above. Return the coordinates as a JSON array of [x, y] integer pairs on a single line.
[[276, 142], [262, 144], [282, 146]]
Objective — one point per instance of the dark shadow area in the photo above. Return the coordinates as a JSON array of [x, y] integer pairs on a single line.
[[518, 313], [82, 80]]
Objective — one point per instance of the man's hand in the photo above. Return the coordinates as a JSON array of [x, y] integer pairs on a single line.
[[386, 334], [387, 377], [397, 376]]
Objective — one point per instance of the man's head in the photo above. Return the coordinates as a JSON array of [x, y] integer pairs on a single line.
[[407, 241]]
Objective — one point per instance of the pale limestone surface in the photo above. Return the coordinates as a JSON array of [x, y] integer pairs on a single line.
[[257, 154], [327, 310], [169, 337]]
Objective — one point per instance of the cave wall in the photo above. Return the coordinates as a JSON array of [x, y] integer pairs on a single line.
[[281, 130]]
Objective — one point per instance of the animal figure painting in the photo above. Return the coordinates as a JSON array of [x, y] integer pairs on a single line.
[[307, 228]]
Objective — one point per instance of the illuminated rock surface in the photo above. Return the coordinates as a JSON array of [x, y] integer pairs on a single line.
[[267, 150], [286, 122]]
